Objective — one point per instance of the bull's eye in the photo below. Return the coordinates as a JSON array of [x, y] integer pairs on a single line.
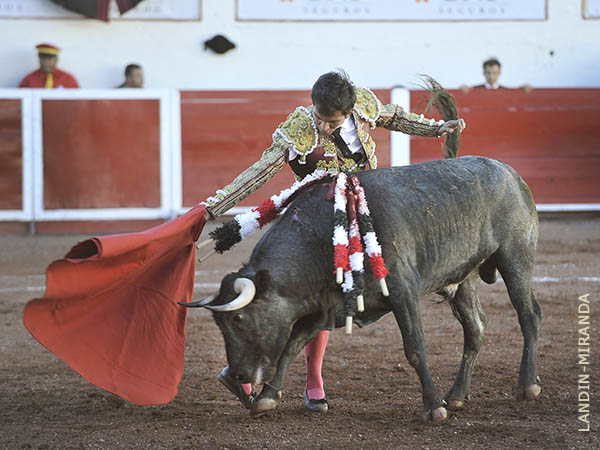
[[238, 317]]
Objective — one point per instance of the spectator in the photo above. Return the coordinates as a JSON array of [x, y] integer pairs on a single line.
[[491, 72], [134, 77], [48, 76]]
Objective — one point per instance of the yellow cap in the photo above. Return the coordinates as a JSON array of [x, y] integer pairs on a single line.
[[47, 49]]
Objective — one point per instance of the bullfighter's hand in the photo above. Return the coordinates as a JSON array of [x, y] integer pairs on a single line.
[[451, 126]]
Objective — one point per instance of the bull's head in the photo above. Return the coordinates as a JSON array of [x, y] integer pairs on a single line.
[[256, 320]]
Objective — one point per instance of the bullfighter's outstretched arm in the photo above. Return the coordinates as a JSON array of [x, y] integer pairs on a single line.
[[250, 180], [394, 118], [304, 138]]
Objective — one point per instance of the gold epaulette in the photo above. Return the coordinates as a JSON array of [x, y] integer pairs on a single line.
[[367, 106], [300, 131]]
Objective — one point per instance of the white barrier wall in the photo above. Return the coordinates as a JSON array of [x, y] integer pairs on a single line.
[[561, 51], [34, 175]]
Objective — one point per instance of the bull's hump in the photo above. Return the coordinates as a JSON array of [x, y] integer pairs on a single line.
[[435, 177]]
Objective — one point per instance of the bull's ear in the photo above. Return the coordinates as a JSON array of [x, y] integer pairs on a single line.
[[262, 281]]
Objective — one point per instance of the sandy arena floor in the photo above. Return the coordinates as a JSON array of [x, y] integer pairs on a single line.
[[374, 395]]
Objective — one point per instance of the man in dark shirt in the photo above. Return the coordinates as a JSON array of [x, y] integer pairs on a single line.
[[134, 77]]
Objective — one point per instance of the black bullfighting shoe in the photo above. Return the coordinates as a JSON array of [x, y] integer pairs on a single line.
[[235, 388], [320, 406]]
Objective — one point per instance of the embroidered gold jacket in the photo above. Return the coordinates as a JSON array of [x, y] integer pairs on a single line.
[[299, 134]]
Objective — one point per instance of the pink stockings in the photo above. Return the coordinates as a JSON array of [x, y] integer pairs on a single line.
[[315, 351]]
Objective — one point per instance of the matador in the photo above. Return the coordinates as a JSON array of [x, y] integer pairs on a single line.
[[331, 135]]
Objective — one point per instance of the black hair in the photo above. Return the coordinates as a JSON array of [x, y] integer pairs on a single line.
[[333, 92], [130, 68], [491, 62]]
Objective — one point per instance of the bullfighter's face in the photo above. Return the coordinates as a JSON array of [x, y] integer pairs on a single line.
[[328, 124]]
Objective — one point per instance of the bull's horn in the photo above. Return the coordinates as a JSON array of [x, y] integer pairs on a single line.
[[243, 286], [199, 303]]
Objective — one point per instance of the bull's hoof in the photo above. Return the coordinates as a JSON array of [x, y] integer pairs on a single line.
[[263, 405], [438, 415], [455, 404], [529, 393]]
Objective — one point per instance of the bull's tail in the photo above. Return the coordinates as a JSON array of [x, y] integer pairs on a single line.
[[445, 103]]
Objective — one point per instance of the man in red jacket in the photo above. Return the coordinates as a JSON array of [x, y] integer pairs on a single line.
[[48, 76]]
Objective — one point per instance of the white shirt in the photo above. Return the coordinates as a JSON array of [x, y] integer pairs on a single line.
[[492, 86], [349, 134]]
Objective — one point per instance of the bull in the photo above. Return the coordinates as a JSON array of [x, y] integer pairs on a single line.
[[443, 226]]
